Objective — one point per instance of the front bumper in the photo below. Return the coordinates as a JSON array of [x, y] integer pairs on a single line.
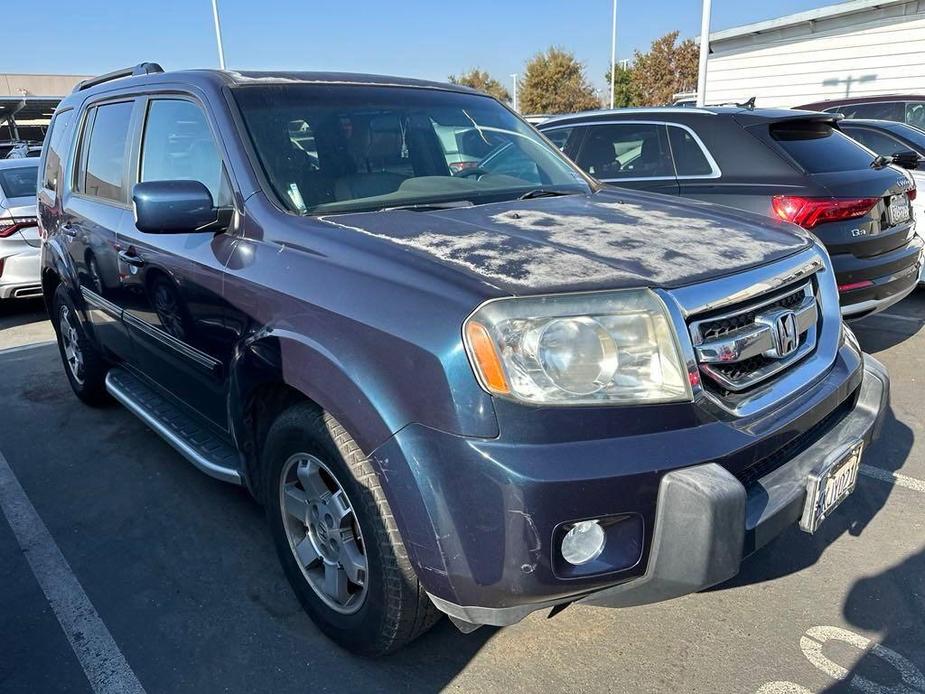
[[705, 522]]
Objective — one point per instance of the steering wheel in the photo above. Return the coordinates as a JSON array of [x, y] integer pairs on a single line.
[[474, 171]]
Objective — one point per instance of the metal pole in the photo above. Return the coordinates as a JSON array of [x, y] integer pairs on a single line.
[[704, 53], [218, 35], [514, 77], [613, 56]]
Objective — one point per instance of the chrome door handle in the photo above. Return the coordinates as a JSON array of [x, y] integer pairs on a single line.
[[131, 259]]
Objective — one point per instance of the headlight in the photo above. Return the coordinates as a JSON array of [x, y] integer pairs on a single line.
[[578, 349]]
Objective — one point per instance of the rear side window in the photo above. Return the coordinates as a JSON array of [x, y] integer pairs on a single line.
[[626, 151], [877, 141], [103, 174], [19, 182], [883, 110], [818, 147], [178, 145], [57, 144], [689, 158]]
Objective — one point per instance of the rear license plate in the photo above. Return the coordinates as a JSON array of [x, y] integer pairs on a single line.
[[899, 209], [827, 488]]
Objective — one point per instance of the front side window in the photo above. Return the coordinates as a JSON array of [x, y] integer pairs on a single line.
[[54, 158], [104, 169], [883, 110], [20, 182], [340, 148], [559, 136], [819, 147], [689, 158], [915, 114], [626, 151], [178, 146], [876, 141]]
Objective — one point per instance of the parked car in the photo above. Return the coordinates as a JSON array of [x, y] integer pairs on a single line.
[[903, 108], [903, 143], [19, 232], [479, 394], [793, 165]]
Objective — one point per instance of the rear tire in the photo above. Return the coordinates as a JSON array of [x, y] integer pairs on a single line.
[[84, 366], [311, 460]]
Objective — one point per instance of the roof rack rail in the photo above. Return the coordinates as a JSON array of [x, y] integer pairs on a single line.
[[140, 69]]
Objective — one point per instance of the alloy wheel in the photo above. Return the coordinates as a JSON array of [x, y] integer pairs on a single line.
[[324, 533], [70, 344]]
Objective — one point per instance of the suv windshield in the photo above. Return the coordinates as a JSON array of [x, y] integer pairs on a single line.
[[339, 148]]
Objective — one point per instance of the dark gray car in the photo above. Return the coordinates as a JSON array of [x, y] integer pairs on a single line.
[[793, 165]]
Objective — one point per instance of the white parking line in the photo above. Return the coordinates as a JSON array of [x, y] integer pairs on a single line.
[[893, 316], [893, 478], [23, 348], [99, 656]]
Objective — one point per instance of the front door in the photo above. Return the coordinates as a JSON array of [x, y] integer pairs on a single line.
[[172, 283]]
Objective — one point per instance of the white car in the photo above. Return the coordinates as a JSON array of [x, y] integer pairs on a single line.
[[20, 244]]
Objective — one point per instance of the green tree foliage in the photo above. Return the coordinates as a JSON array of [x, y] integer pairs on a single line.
[[481, 80], [555, 82], [624, 88], [667, 68]]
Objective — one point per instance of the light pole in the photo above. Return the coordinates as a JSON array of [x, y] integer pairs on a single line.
[[218, 35], [613, 56], [704, 54], [514, 77]]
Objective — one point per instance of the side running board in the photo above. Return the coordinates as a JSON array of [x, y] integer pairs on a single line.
[[194, 442]]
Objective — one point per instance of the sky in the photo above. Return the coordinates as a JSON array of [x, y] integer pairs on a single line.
[[413, 38]]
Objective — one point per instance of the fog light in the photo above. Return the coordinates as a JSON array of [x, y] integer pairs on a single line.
[[583, 542]]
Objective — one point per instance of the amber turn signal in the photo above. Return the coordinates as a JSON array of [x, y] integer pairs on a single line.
[[485, 358]]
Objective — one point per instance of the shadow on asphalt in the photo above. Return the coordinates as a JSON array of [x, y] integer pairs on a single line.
[[15, 313], [797, 550], [884, 604]]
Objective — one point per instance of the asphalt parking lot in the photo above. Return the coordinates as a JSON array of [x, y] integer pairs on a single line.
[[182, 575]]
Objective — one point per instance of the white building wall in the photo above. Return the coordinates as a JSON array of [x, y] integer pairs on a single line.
[[877, 51]]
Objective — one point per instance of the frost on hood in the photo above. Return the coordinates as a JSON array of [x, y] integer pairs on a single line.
[[582, 244]]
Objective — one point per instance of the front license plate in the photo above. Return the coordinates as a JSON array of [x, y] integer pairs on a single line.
[[826, 489], [899, 209]]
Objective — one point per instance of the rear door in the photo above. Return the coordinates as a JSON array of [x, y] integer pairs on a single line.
[[93, 210], [629, 154], [173, 282]]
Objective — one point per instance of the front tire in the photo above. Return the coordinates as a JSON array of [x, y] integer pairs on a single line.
[[336, 537], [84, 366]]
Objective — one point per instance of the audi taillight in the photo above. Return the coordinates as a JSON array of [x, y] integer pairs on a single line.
[[912, 193], [810, 212], [11, 225]]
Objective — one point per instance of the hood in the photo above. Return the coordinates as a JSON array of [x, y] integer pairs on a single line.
[[608, 240]]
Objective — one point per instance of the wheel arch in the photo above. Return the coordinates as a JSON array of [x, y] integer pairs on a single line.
[[274, 370]]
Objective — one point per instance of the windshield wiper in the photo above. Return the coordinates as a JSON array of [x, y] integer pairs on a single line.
[[429, 206], [544, 193]]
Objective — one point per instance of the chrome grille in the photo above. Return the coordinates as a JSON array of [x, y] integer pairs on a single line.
[[757, 339]]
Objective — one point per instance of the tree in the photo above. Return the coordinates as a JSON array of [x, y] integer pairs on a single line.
[[624, 93], [481, 80], [555, 82], [666, 69]]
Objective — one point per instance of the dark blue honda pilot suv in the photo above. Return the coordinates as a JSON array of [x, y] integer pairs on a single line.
[[461, 376]]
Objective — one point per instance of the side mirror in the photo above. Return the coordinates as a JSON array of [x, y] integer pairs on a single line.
[[907, 159], [176, 207]]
